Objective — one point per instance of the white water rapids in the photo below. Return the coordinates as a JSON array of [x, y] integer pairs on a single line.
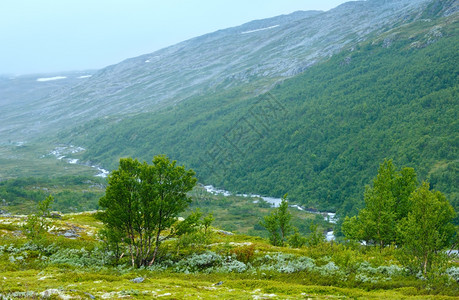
[[63, 153], [275, 202]]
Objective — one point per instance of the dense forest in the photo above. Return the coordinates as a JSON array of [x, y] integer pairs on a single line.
[[318, 136]]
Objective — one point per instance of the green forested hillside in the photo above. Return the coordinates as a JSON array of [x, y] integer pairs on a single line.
[[318, 136]]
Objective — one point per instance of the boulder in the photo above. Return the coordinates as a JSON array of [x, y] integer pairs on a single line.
[[138, 280]]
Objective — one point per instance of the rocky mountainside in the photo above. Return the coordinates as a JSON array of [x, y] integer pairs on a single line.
[[348, 88], [262, 51], [318, 135], [19, 95]]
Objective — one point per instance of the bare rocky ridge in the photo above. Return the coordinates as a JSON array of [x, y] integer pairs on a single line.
[[260, 51]]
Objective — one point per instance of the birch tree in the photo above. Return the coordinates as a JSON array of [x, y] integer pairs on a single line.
[[428, 228], [142, 203]]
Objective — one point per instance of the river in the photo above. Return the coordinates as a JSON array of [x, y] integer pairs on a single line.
[[63, 153], [275, 202]]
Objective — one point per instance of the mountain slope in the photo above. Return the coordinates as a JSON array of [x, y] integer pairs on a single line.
[[260, 53], [347, 88], [18, 94], [320, 135]]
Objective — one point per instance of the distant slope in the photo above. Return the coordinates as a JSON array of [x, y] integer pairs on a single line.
[[348, 87], [258, 53], [20, 93], [320, 135]]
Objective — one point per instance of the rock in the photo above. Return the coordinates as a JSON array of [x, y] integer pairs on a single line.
[[4, 213], [55, 215], [49, 293], [225, 232], [138, 280], [70, 234], [164, 295]]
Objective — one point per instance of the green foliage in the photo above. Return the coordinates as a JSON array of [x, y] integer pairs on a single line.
[[207, 221], [270, 223], [142, 201], [240, 264], [417, 220], [453, 272], [79, 257], [284, 218], [277, 223], [198, 262], [296, 240], [285, 263], [241, 215], [386, 204], [341, 119], [427, 230], [37, 224], [44, 207], [244, 253], [70, 193], [316, 237], [112, 243], [367, 273]]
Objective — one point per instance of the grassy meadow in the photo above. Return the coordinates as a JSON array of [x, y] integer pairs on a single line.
[[217, 264]]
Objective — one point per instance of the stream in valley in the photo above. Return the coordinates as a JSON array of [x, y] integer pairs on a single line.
[[275, 202], [64, 153]]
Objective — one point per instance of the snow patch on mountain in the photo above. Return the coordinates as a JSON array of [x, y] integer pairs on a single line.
[[51, 78], [260, 29]]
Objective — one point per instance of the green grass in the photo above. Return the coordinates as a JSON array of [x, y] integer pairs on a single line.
[[75, 282], [241, 215], [233, 213], [24, 270], [34, 160]]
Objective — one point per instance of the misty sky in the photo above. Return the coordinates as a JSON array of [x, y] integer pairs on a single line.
[[39, 36]]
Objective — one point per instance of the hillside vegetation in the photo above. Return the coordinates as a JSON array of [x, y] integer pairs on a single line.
[[239, 56], [306, 111], [90, 255], [368, 80], [71, 262], [320, 135]]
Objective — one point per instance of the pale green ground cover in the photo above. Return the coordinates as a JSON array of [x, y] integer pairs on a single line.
[[246, 268]]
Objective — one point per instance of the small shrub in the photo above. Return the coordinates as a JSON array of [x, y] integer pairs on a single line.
[[160, 266], [329, 269], [244, 254], [285, 263], [453, 272], [367, 273], [296, 240], [80, 257], [365, 278], [346, 258], [198, 262], [231, 266]]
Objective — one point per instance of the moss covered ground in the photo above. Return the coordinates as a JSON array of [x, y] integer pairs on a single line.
[[220, 266]]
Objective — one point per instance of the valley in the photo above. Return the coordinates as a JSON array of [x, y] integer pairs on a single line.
[[275, 130], [336, 104]]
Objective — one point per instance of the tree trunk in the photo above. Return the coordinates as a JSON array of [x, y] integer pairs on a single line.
[[132, 254], [156, 248], [425, 264]]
